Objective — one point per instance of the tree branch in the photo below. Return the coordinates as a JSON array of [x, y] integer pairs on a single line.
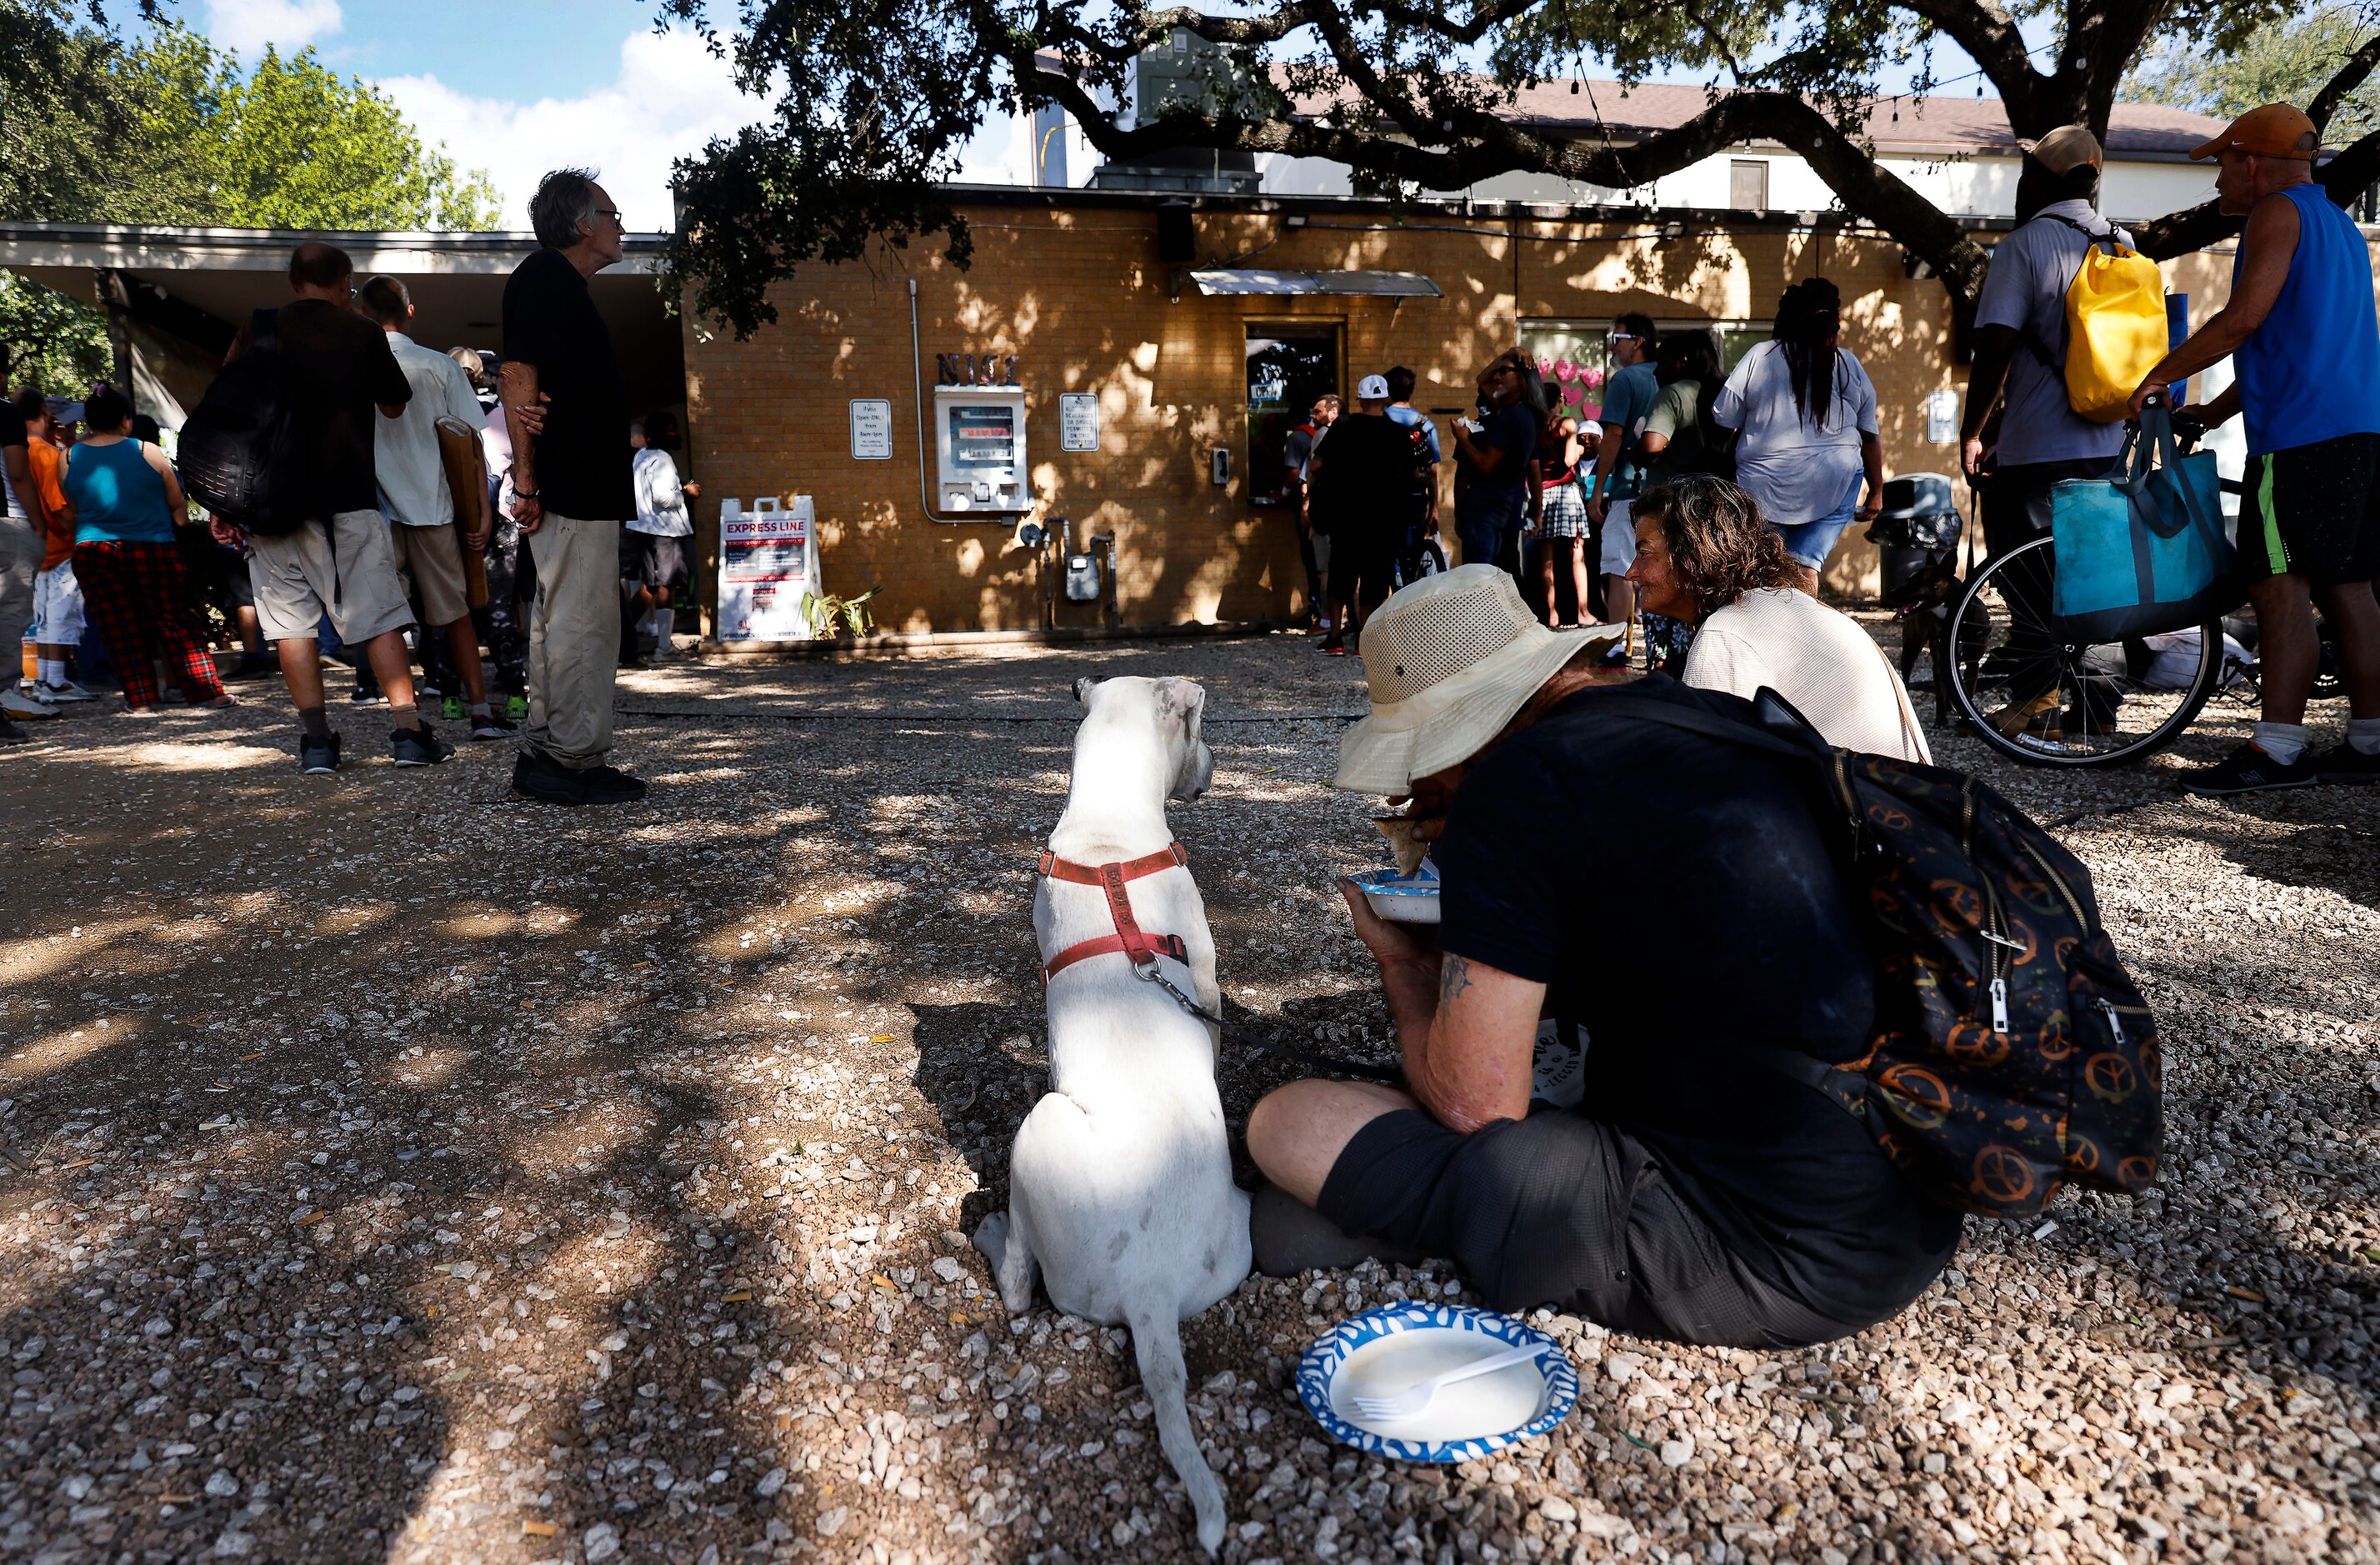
[[2349, 77]]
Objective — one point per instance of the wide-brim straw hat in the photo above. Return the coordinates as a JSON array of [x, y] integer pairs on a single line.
[[1450, 658]]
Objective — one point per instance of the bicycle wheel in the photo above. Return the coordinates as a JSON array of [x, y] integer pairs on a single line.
[[2030, 695]]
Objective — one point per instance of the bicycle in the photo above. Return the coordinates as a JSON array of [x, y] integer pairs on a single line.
[[2033, 696]]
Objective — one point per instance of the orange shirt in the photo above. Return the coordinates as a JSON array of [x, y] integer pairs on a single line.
[[59, 542]]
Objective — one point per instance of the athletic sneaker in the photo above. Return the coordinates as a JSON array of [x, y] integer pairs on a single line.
[[491, 727], [45, 691], [252, 665], [2249, 771], [418, 747], [317, 758], [452, 708], [363, 694], [15, 703], [516, 708], [609, 786], [2345, 763], [546, 780], [12, 734]]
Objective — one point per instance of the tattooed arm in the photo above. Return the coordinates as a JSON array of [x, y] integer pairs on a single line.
[[1468, 1031]]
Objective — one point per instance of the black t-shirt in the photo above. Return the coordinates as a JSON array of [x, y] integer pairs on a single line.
[[1364, 493], [1500, 499], [582, 459], [1678, 895], [340, 370]]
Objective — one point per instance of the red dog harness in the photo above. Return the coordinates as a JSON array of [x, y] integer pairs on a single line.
[[1144, 949]]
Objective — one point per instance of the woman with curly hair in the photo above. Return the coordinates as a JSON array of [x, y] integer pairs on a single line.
[[1703, 555]]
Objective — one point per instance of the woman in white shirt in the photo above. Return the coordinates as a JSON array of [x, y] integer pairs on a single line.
[[1705, 556], [653, 547], [1807, 414]]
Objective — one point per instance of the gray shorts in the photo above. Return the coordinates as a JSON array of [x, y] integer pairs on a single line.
[[345, 569]]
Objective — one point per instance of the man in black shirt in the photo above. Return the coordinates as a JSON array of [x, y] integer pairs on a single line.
[[341, 379], [1362, 481], [573, 487], [1693, 1192]]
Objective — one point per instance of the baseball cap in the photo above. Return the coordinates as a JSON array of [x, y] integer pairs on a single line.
[[1372, 388], [2065, 149], [2275, 130]]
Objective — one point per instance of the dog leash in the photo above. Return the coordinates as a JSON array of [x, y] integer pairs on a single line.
[[1144, 949]]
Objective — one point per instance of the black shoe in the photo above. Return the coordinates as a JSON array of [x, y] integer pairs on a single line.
[[251, 665], [2249, 771], [363, 694], [2345, 763], [493, 727], [317, 758], [12, 734], [546, 780], [418, 747], [608, 785]]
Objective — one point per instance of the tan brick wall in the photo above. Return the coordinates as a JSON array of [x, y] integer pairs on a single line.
[[1079, 295]]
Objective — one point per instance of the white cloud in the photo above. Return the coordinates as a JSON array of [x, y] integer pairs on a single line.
[[245, 27], [671, 97]]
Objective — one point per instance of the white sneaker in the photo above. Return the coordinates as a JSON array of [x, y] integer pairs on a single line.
[[69, 691], [15, 703]]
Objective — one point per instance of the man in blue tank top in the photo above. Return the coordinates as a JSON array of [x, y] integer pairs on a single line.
[[2306, 346]]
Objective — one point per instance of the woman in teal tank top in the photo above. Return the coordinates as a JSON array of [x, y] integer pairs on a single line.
[[122, 496]]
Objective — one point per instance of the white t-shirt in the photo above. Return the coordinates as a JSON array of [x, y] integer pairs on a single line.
[[660, 499], [1796, 471], [1816, 657], [405, 450]]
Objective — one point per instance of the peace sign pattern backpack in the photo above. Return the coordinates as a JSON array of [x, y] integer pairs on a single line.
[[2011, 1052]]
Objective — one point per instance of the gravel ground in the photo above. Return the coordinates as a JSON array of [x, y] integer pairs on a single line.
[[395, 1171]]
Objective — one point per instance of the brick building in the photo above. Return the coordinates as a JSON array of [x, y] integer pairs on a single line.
[[1071, 283]]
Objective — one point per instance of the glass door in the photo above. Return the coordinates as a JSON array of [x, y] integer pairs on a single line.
[[1288, 364]]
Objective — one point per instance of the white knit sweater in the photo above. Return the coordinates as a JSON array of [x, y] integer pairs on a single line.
[[1815, 657]]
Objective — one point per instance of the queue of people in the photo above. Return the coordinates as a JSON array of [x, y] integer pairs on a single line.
[[582, 535]]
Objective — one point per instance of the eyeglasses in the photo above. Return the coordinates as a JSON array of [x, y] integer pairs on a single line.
[[1622, 336], [613, 215]]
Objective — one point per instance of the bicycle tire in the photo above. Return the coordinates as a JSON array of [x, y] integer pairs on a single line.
[[1967, 640]]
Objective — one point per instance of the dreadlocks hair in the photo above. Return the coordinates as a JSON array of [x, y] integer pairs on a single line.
[[1809, 317], [1720, 547]]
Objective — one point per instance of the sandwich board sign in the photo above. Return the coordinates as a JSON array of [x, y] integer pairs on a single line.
[[768, 563]]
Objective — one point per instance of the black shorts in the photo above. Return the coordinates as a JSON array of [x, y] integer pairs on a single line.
[[2309, 511], [1564, 1210], [654, 559]]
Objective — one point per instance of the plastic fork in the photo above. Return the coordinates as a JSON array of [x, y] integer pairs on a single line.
[[1415, 1399]]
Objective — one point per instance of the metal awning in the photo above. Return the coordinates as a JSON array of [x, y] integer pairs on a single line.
[[1264, 280]]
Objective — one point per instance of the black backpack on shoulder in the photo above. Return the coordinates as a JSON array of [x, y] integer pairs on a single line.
[[2011, 1053], [239, 454]]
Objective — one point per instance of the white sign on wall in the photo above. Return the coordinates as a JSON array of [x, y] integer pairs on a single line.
[[1078, 422], [872, 428], [1942, 417]]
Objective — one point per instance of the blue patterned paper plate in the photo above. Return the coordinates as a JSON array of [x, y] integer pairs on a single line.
[[1321, 1371]]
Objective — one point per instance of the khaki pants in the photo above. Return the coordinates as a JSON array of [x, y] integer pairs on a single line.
[[574, 639]]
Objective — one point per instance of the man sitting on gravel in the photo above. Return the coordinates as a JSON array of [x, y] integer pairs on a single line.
[[1694, 1194]]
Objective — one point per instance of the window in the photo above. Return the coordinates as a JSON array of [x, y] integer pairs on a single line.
[[1747, 185], [1574, 359], [1290, 364]]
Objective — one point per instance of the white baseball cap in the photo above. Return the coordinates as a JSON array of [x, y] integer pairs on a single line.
[[1372, 388]]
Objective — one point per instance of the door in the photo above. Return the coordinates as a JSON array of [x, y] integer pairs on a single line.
[[1290, 364]]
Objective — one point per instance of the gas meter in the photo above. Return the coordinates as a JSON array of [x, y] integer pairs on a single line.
[[979, 439]]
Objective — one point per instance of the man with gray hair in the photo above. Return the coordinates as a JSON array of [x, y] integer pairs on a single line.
[[571, 489]]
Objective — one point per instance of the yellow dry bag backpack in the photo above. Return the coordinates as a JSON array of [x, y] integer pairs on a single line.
[[2115, 328]]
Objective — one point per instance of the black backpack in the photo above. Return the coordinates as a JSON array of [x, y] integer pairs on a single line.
[[239, 454], [2011, 1053]]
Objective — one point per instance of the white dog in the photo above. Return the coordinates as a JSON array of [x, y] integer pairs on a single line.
[[1120, 1186]]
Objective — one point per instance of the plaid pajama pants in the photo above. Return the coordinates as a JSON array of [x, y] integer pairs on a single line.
[[134, 594]]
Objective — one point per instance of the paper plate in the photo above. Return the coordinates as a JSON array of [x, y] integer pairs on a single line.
[[1384, 1351], [1404, 900]]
